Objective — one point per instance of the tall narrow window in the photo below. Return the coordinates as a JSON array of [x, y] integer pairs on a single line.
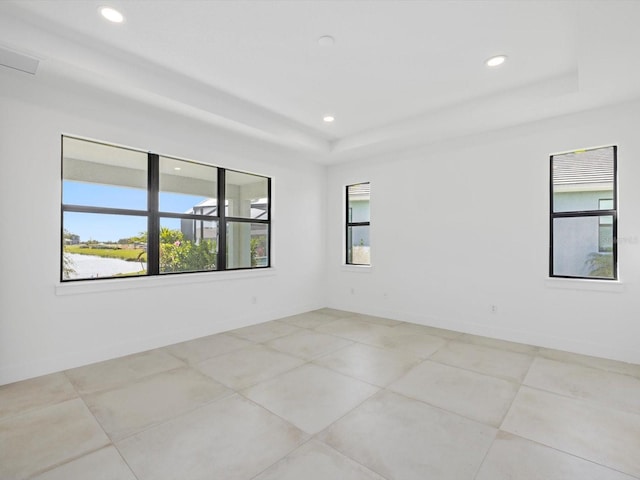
[[247, 227], [358, 249], [131, 213], [188, 214], [583, 220]]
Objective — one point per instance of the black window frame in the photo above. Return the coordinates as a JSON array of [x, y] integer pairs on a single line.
[[601, 225], [154, 214], [349, 223], [612, 212]]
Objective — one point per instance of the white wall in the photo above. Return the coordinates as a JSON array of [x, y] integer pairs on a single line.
[[462, 225], [45, 327], [456, 227]]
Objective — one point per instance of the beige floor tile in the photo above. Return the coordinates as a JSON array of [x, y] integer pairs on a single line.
[[123, 370], [309, 319], [310, 397], [401, 438], [599, 434], [420, 345], [496, 343], [316, 461], [354, 329], [132, 408], [515, 458], [591, 384], [389, 322], [42, 438], [476, 396], [308, 344], [371, 364], [248, 366], [427, 330], [265, 331], [105, 464], [201, 349], [601, 363], [490, 361], [21, 397], [335, 313], [230, 439]]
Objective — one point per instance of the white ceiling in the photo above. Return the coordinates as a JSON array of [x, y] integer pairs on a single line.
[[400, 73]]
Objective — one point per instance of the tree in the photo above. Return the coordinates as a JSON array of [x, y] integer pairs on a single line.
[[140, 238], [67, 263], [168, 235], [257, 249], [600, 265], [180, 255]]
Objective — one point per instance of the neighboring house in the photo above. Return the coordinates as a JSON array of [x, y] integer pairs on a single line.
[[194, 230], [72, 239]]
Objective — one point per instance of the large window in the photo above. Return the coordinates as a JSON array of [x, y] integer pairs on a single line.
[[583, 214], [132, 213], [358, 248]]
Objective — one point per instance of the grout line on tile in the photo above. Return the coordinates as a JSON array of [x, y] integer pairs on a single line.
[[484, 374], [585, 401], [475, 475], [569, 454], [442, 409], [69, 460]]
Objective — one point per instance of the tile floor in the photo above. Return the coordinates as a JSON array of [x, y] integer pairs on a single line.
[[328, 395]]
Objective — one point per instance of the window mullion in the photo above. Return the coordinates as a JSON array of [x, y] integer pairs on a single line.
[[222, 223], [153, 230], [269, 224]]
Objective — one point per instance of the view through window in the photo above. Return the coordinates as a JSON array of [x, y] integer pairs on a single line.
[[358, 214], [583, 214], [132, 213]]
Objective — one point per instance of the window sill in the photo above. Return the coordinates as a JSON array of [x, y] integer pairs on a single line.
[[109, 285], [614, 286], [357, 268]]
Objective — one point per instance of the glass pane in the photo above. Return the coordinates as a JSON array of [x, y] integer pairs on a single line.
[[358, 197], [580, 249], [246, 195], [99, 246], [581, 180], [605, 240], [247, 245], [187, 187], [358, 249], [100, 175], [605, 204], [188, 245]]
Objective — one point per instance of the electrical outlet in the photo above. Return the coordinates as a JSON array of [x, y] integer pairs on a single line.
[[353, 291], [254, 300], [493, 308]]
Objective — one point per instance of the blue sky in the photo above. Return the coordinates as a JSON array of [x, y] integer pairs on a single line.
[[105, 228]]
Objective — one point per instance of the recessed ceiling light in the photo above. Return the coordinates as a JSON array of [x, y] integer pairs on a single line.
[[495, 61], [328, 118], [326, 41], [111, 14], [177, 168]]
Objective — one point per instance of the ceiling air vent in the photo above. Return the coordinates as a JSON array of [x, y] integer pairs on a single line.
[[18, 61]]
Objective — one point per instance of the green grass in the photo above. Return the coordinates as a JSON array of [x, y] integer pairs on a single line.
[[128, 254]]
